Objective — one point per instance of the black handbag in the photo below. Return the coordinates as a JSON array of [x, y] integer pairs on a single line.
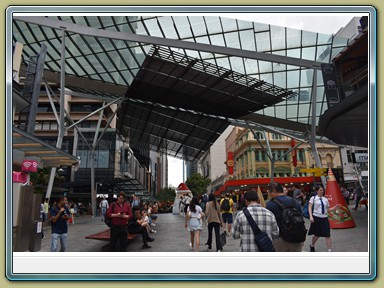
[[223, 239], [263, 242]]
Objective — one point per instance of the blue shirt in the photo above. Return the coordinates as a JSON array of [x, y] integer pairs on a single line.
[[60, 226]]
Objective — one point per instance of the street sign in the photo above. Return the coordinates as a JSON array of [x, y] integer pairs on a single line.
[[315, 171]]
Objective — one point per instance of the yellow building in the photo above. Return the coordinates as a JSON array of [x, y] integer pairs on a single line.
[[251, 159]]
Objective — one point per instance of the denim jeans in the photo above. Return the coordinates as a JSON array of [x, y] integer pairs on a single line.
[[103, 211], [63, 242]]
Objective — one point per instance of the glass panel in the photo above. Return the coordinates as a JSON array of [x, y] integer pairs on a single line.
[[182, 27], [263, 42], [217, 40], [269, 111], [198, 26], [309, 38], [278, 37], [340, 42], [279, 79], [306, 76], [324, 39], [251, 66], [244, 24], [303, 110], [213, 24], [232, 40], [293, 79], [323, 53], [247, 40], [294, 53], [258, 27], [304, 95], [291, 111], [168, 28], [309, 53], [203, 40], [265, 66], [266, 77], [293, 38], [229, 24], [281, 111], [237, 64], [153, 27]]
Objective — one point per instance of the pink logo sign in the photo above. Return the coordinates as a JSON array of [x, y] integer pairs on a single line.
[[29, 166]]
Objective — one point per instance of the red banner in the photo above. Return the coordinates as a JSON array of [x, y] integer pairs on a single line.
[[293, 153], [230, 163]]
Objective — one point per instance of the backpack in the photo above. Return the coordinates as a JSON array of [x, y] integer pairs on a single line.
[[107, 219], [205, 198], [225, 206], [305, 209], [292, 225]]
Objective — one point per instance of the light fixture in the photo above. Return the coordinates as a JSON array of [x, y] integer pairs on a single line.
[[60, 169]]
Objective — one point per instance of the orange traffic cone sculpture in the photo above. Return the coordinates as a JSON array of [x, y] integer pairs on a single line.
[[338, 214]]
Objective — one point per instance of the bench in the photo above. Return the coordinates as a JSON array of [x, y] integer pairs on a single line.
[[106, 236]]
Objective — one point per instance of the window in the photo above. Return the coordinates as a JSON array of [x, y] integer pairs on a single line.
[[349, 156]]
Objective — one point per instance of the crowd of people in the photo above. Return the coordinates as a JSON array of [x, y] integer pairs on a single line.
[[226, 216], [219, 216]]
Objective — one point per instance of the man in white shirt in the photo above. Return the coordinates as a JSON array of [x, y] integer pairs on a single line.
[[104, 207]]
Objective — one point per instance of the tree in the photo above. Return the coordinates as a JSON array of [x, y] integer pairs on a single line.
[[166, 194], [198, 184]]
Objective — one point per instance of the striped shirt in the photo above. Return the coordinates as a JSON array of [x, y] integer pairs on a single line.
[[263, 218]]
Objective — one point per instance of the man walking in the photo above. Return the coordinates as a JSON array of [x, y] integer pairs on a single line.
[[264, 219], [104, 207], [59, 227], [275, 191], [227, 206]]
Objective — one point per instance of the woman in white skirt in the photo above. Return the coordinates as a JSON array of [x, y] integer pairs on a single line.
[[193, 221], [319, 219]]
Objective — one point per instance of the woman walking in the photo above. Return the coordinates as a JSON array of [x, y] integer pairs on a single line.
[[214, 220], [193, 221], [319, 219]]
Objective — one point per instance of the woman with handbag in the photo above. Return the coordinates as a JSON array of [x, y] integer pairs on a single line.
[[193, 221], [214, 219]]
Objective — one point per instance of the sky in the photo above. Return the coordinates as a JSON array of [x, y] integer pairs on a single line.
[[325, 23]]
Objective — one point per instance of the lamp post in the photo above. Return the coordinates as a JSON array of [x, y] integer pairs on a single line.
[[95, 208]]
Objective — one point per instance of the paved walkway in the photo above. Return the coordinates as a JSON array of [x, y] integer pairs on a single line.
[[171, 236]]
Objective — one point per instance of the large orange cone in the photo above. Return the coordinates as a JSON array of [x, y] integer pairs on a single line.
[[338, 214]]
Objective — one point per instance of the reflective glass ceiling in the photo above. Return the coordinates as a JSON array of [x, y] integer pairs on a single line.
[[117, 62]]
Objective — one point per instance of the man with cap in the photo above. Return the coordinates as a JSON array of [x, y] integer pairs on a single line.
[[264, 219]]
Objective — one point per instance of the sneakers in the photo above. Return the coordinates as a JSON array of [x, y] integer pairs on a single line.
[[209, 247], [153, 224], [312, 248], [150, 239], [152, 231], [145, 247], [190, 246]]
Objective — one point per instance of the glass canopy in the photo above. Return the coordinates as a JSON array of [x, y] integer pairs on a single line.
[[113, 60]]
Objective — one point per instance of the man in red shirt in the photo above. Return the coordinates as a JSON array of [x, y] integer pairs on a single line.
[[120, 212]]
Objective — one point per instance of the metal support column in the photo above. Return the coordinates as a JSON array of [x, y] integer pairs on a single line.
[[93, 161], [61, 119], [313, 127]]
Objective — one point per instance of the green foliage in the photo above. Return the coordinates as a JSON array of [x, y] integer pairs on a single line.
[[40, 180], [198, 184], [166, 194]]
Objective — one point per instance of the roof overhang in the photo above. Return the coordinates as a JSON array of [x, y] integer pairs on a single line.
[[34, 147]]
